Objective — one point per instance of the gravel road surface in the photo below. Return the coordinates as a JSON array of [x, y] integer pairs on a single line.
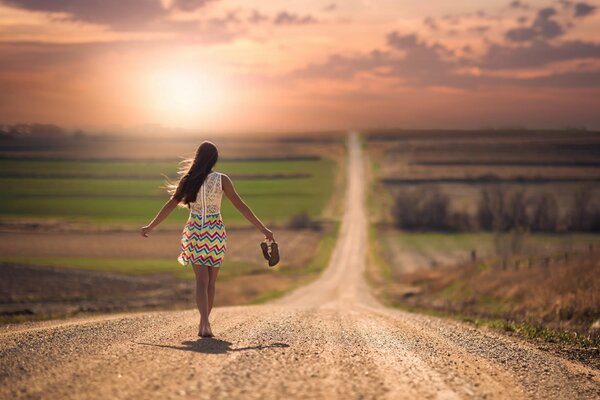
[[330, 339]]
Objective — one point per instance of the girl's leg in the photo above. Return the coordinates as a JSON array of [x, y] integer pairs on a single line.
[[202, 279], [212, 279]]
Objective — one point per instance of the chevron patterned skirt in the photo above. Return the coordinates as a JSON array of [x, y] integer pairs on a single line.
[[203, 244]]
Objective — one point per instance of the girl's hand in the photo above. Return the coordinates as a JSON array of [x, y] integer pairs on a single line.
[[145, 230], [269, 235]]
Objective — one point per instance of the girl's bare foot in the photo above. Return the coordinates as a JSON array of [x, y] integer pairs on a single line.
[[206, 332]]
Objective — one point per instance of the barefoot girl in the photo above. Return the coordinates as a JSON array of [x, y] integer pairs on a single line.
[[203, 240]]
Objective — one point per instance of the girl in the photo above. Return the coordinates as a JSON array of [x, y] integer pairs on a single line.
[[203, 240]]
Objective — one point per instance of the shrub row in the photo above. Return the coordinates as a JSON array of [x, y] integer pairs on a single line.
[[499, 209]]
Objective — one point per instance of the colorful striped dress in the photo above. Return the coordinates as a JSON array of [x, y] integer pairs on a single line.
[[203, 240]]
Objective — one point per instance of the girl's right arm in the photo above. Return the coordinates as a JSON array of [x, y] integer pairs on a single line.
[[237, 201], [164, 212]]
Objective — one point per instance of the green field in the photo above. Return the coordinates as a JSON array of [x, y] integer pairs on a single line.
[[132, 266], [149, 266], [431, 243], [99, 168], [130, 192]]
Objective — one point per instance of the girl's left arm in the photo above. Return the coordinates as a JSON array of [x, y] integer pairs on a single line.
[[237, 201], [164, 212]]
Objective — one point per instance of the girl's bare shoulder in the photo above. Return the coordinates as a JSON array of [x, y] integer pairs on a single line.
[[225, 180]]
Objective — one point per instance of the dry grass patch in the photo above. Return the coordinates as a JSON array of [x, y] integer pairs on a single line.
[[562, 295], [297, 246]]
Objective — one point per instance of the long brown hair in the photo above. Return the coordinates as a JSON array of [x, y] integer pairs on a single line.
[[193, 172]]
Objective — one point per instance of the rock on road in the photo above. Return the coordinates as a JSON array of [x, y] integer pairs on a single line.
[[330, 339]]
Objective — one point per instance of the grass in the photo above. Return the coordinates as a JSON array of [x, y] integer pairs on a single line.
[[555, 303], [518, 302], [270, 295], [101, 168], [230, 269], [376, 257], [295, 276], [136, 201], [523, 329], [458, 291], [433, 242]]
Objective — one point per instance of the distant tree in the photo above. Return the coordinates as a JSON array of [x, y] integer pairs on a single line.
[[46, 130], [79, 134], [580, 215], [490, 208], [545, 214], [515, 215], [423, 209], [502, 211]]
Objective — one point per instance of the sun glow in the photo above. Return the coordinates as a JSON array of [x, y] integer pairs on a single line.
[[184, 97]]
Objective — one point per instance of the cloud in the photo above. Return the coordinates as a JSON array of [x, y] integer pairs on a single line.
[[403, 42], [413, 46], [431, 23], [418, 63], [518, 5], [452, 19], [330, 7], [257, 17], [537, 54], [521, 34], [479, 29], [41, 56], [151, 15], [564, 80], [122, 14], [286, 18], [342, 66], [190, 5], [542, 27], [584, 9]]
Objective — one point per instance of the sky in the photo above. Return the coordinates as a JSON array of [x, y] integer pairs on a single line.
[[246, 65]]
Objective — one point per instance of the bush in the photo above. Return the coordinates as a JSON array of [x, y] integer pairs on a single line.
[[594, 221], [502, 211], [490, 207], [304, 221], [499, 210], [583, 216], [424, 209], [545, 214]]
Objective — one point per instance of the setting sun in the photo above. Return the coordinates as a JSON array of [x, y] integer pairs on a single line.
[[183, 97]]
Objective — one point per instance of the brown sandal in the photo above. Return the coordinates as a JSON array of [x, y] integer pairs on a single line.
[[265, 250], [274, 259], [270, 252]]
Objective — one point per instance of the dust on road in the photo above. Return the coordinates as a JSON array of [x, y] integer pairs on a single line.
[[330, 339]]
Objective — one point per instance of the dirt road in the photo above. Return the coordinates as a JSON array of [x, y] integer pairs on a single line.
[[330, 339]]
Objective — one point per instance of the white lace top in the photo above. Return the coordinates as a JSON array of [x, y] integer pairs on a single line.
[[209, 196]]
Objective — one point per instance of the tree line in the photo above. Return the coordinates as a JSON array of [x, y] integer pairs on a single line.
[[499, 209]]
